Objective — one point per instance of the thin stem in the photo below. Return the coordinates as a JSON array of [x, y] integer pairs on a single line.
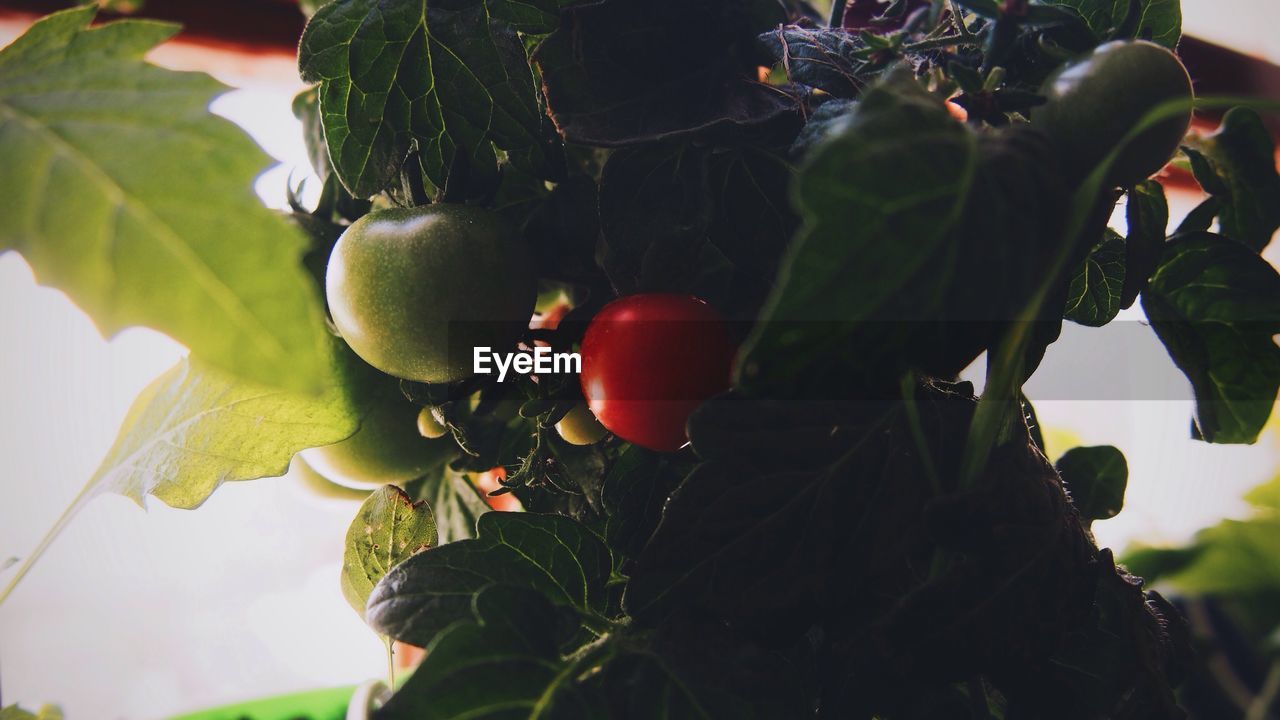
[[837, 13], [958, 17], [79, 501], [978, 698], [391, 662], [942, 42], [908, 390], [1260, 708]]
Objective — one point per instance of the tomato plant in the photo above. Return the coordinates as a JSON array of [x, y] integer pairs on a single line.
[[774, 240], [648, 361]]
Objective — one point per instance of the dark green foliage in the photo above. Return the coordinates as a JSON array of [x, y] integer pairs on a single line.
[[1236, 167], [850, 533], [1216, 306], [621, 73], [1096, 478]]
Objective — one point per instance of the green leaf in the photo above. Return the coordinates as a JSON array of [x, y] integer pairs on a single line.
[[1096, 478], [826, 119], [1094, 298], [1215, 304], [502, 660], [124, 192], [822, 58], [306, 108], [1201, 217], [195, 428], [879, 199], [620, 72], [46, 712], [1266, 496], [1237, 166], [1234, 557], [389, 528], [685, 217], [499, 661], [309, 7], [455, 502], [449, 79], [1236, 561], [1159, 20], [1147, 215], [654, 214], [552, 554], [1155, 563], [326, 704], [634, 492]]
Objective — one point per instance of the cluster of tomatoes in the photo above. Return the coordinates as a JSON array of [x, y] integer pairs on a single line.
[[404, 290], [414, 291]]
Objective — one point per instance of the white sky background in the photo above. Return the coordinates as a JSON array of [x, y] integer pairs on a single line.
[[139, 615]]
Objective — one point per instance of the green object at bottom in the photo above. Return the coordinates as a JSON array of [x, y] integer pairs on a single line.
[[328, 704]]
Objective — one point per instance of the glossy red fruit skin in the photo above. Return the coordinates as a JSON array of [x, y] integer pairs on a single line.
[[649, 360]]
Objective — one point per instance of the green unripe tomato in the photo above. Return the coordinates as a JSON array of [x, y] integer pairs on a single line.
[[414, 291], [321, 486], [580, 427], [428, 426], [387, 449], [1096, 100]]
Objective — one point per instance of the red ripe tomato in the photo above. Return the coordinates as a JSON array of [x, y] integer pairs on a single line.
[[649, 360]]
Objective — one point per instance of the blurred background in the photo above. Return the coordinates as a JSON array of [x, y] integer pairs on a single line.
[[135, 614]]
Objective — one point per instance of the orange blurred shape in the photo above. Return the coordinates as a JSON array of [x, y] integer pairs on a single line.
[[406, 657], [549, 320], [490, 481]]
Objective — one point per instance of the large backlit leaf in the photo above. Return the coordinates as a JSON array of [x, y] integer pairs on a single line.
[[195, 428], [123, 191]]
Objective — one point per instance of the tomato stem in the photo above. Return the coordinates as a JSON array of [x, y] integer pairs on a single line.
[[80, 500]]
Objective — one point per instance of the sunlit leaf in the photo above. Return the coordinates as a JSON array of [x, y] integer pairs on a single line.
[[123, 191], [388, 529]]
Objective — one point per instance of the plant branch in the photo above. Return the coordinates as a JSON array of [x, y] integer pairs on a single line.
[[1260, 708], [79, 501], [837, 13]]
